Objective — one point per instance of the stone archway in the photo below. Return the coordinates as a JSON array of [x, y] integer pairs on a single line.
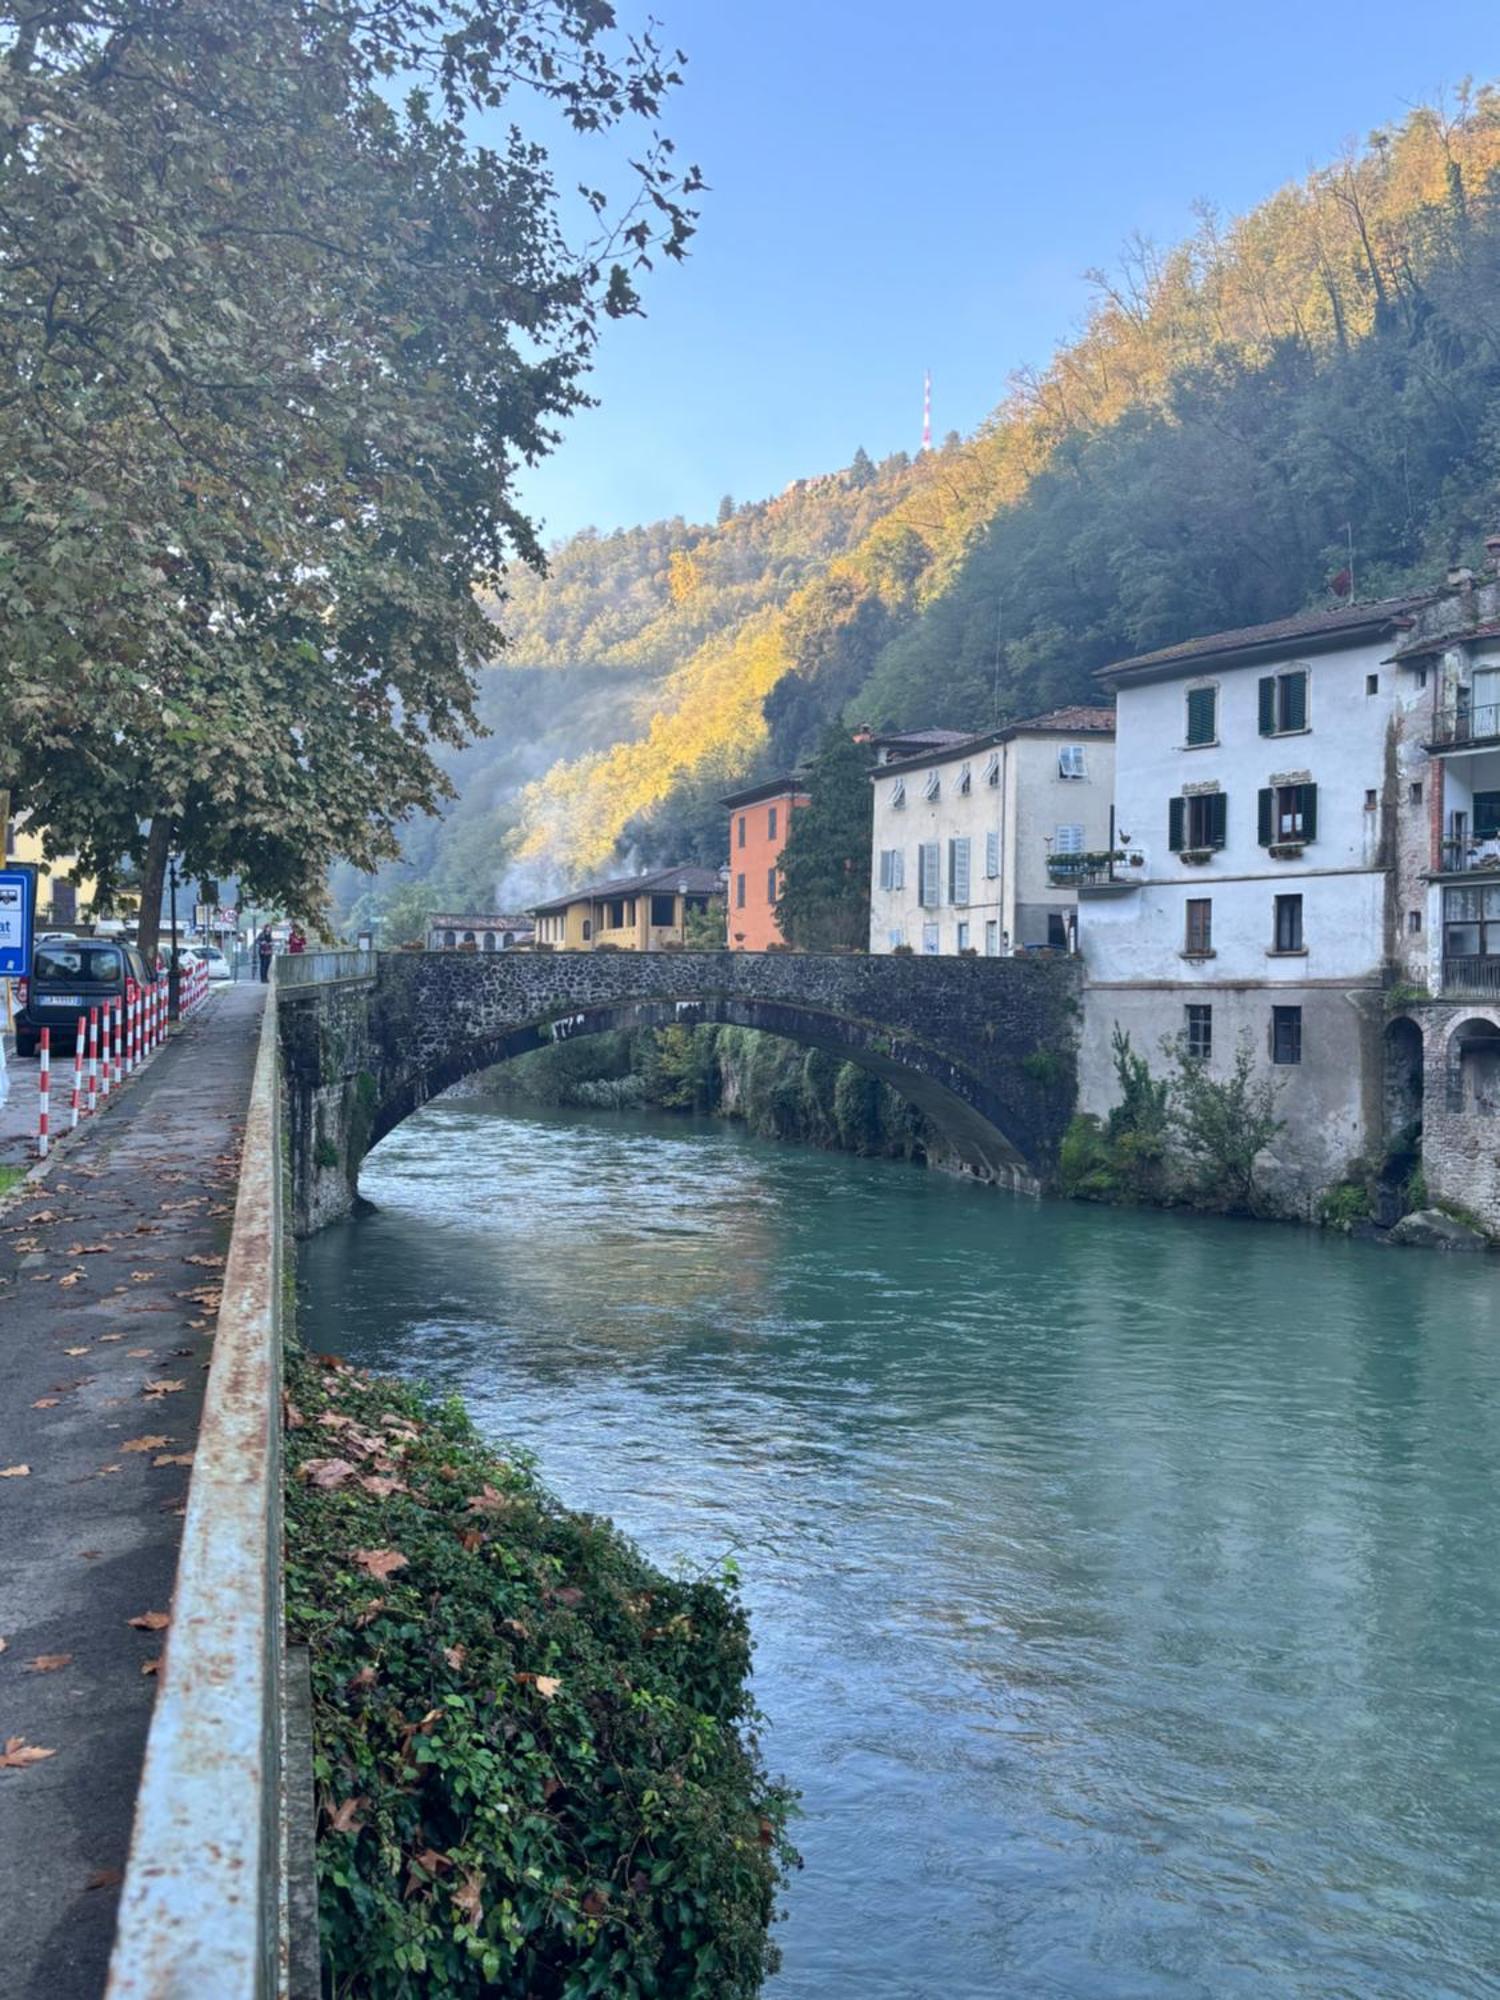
[[1473, 1067]]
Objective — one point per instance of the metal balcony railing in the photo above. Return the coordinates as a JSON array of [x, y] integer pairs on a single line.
[[1462, 723], [1471, 975], [1474, 855], [1073, 871]]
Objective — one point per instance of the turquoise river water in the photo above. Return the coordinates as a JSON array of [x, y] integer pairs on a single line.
[[1126, 1586]]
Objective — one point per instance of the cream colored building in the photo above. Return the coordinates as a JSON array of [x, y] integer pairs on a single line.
[[979, 845]]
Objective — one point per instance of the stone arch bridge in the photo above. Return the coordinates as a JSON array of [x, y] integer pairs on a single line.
[[984, 1047]]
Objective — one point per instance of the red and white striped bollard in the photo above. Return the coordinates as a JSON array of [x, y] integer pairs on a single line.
[[81, 1036], [93, 1059], [43, 1091]]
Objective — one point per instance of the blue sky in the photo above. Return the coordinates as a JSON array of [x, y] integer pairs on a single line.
[[896, 187]]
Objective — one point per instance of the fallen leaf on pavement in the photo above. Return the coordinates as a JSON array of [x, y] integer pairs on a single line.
[[105, 1469], [151, 1666], [547, 1685], [15, 1471], [455, 1656], [75, 1350], [151, 1621], [213, 1263], [105, 1878], [111, 1336], [48, 1663], [88, 1249], [379, 1563], [46, 1402], [151, 1443], [3, 1644], [162, 1388], [174, 1458], [70, 1277], [140, 1354], [18, 1753]]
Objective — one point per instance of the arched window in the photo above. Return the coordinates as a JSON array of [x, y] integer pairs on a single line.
[[489, 940], [450, 939]]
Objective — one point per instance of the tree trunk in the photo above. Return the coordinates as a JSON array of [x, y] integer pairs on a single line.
[[153, 876]]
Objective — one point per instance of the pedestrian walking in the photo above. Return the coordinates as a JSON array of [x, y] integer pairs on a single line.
[[297, 941], [265, 951]]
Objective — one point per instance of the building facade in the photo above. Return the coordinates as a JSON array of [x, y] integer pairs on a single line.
[[1316, 805], [759, 820], [978, 844], [449, 932], [631, 912]]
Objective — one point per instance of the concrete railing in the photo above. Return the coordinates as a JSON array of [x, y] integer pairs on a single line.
[[317, 968], [202, 1911]]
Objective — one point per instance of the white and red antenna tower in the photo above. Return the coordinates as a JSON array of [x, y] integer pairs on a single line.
[[927, 410]]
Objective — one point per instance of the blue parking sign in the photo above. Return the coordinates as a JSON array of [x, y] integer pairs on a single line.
[[17, 904]]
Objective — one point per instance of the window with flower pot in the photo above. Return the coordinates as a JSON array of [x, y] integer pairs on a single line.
[[1197, 822], [1288, 815]]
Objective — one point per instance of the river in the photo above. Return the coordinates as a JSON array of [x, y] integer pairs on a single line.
[[1126, 1586]]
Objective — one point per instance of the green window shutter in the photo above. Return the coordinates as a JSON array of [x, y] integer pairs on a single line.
[[1201, 706], [1265, 816], [1267, 692], [1174, 824], [1294, 701], [1218, 818], [1309, 811]]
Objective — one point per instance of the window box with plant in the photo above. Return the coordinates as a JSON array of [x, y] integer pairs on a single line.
[[1197, 825]]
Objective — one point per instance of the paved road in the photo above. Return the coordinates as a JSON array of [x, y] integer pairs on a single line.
[[108, 1277]]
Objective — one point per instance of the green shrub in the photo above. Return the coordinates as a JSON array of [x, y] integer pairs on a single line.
[[1344, 1204], [1046, 1067], [534, 1753], [1085, 1168]]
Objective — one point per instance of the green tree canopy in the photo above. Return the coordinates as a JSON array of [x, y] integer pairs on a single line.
[[825, 864], [274, 346]]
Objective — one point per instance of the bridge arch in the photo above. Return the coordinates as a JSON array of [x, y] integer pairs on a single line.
[[984, 1048]]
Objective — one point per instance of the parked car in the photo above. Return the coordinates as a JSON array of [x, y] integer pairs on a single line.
[[211, 956], [69, 975]]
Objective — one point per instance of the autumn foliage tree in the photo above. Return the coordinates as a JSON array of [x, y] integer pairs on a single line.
[[275, 340]]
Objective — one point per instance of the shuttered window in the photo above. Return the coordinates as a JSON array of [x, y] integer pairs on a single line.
[[1198, 940], [992, 768], [1286, 813], [892, 868], [1068, 840], [992, 853], [1283, 702], [1202, 715], [1070, 761], [958, 871], [929, 874], [1198, 821]]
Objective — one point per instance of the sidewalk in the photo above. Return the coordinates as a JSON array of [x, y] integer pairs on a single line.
[[109, 1270]]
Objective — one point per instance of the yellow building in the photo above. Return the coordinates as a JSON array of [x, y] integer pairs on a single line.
[[633, 913], [64, 895]]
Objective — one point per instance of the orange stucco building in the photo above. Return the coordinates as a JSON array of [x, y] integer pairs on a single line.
[[758, 822]]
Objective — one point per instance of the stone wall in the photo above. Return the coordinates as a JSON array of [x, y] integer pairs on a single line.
[[1461, 1108], [985, 1047]]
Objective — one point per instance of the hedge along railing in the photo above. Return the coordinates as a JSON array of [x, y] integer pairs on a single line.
[[316, 968], [202, 1911]]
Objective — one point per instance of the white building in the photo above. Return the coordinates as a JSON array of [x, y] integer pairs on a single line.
[[1317, 806], [979, 844]]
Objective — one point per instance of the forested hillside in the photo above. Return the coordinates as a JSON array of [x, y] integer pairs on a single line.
[[1240, 414]]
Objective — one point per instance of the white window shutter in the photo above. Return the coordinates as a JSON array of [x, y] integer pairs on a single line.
[[933, 786], [992, 853], [958, 871], [930, 864]]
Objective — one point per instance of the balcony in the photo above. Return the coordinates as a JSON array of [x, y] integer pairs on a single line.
[[1474, 856], [1472, 975], [1464, 727], [1097, 874]]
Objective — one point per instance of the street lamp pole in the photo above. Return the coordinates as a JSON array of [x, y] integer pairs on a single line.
[[173, 988]]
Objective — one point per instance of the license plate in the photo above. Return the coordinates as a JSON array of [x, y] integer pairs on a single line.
[[69, 1000]]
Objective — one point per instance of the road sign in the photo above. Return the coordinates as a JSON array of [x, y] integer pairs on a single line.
[[17, 910], [229, 916]]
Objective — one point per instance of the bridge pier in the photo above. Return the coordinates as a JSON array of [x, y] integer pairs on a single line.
[[986, 1048]]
